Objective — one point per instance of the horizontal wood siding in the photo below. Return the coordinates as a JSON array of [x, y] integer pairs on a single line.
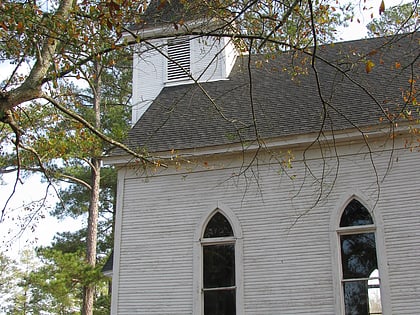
[[148, 79], [287, 255], [207, 63], [400, 207]]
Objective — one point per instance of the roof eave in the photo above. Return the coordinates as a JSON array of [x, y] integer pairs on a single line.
[[289, 142], [203, 26]]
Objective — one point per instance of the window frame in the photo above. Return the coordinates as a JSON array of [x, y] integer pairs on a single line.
[[355, 230], [198, 296], [377, 228]]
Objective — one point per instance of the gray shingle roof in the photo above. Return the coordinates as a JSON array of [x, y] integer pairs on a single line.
[[282, 104], [109, 264]]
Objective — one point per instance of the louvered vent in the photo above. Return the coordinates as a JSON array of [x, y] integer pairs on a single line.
[[179, 59]]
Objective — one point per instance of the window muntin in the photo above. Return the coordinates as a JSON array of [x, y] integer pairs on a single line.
[[359, 265], [219, 272]]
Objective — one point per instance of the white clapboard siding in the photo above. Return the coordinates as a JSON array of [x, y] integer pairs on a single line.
[[148, 78], [400, 205], [213, 58], [288, 265]]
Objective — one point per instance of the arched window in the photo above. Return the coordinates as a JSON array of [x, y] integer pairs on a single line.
[[218, 267], [359, 265]]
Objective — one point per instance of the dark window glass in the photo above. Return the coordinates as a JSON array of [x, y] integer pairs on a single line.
[[218, 226], [219, 265], [355, 214], [358, 255], [219, 302], [356, 298], [361, 284], [219, 288]]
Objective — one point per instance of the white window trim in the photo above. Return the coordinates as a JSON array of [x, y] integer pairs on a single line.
[[377, 228], [198, 303], [117, 243]]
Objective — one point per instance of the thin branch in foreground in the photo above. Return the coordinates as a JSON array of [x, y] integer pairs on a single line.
[[99, 134]]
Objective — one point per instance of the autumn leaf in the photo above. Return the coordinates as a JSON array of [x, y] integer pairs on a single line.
[[369, 66], [3, 26], [161, 5], [20, 27], [382, 7], [372, 52]]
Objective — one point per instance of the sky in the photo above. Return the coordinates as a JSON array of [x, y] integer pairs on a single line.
[[28, 191], [32, 189]]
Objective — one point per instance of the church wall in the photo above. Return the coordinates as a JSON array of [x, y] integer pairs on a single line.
[[289, 251]]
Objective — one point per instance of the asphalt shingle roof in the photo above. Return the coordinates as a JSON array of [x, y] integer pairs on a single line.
[[282, 104]]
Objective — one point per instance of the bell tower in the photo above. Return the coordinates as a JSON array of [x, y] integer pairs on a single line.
[[170, 54]]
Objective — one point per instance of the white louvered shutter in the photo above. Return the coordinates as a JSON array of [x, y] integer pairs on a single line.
[[179, 59]]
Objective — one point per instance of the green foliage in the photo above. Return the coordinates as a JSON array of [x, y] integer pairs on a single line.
[[62, 148], [9, 275], [50, 283]]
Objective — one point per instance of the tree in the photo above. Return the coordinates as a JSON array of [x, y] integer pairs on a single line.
[[62, 138], [20, 295], [396, 20], [9, 273], [75, 156]]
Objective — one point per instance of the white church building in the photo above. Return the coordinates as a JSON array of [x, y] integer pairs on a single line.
[[272, 193]]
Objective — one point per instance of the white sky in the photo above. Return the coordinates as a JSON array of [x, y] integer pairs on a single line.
[[27, 191], [357, 30], [32, 189]]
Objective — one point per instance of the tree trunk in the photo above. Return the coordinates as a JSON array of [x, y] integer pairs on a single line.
[[92, 233], [92, 228]]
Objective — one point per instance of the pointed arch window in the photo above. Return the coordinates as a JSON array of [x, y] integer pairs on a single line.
[[359, 264], [219, 272]]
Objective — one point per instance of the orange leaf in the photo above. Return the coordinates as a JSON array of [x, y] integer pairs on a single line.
[[372, 52], [3, 26], [20, 27], [382, 7], [397, 65], [369, 66]]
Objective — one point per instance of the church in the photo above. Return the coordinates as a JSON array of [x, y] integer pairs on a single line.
[[275, 189]]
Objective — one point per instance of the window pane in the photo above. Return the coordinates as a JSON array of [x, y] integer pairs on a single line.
[[374, 293], [358, 255], [356, 298], [219, 265], [218, 226], [219, 302], [355, 214]]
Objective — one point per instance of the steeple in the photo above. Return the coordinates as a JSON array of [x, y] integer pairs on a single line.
[[171, 56]]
